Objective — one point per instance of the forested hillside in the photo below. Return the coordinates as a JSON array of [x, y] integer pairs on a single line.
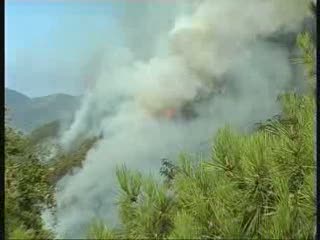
[[30, 181], [27, 189]]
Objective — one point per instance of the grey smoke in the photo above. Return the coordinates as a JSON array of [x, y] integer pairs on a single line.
[[148, 22], [219, 40]]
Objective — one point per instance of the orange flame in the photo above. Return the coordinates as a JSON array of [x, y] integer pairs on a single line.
[[169, 113]]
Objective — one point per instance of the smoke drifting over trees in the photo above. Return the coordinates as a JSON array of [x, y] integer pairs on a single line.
[[186, 58]]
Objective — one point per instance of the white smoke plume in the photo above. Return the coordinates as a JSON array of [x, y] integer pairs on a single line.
[[211, 43]]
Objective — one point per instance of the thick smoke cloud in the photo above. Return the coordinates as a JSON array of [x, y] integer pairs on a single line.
[[219, 42]]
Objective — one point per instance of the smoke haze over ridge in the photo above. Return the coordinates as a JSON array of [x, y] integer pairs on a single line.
[[206, 43]]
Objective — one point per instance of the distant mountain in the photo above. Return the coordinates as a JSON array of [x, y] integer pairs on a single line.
[[15, 99], [27, 114]]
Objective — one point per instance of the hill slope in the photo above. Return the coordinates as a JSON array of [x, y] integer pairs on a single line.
[[26, 113]]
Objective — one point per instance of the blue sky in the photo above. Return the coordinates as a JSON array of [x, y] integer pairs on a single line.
[[49, 44]]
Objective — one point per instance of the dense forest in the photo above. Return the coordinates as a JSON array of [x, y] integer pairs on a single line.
[[253, 185]]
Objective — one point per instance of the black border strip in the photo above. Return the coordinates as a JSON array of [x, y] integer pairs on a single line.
[[317, 130], [2, 171], [2, 167]]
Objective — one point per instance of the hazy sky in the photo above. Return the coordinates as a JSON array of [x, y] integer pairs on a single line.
[[49, 45]]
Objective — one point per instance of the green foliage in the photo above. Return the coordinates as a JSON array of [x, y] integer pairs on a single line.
[[258, 185], [21, 233], [66, 162], [168, 170], [15, 143], [45, 131], [185, 227], [254, 186], [308, 56], [27, 190], [144, 206], [100, 231]]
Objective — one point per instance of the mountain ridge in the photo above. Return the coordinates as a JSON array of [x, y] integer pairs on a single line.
[[26, 113]]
